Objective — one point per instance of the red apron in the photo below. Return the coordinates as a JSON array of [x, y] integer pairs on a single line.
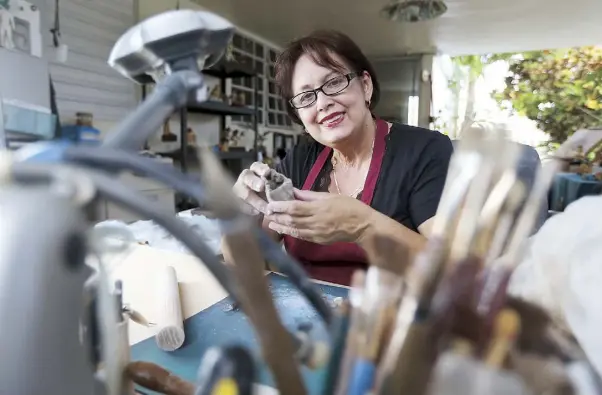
[[336, 262]]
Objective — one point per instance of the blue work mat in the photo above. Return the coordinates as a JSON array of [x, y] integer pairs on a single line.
[[217, 326]]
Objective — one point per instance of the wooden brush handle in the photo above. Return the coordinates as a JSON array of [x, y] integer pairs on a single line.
[[412, 370], [386, 253], [243, 255], [155, 378]]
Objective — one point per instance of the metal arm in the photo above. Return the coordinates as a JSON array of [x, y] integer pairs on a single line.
[[171, 94]]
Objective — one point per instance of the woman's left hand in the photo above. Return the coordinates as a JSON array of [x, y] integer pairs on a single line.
[[320, 217]]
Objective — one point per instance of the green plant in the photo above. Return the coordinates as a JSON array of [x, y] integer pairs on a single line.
[[560, 90]]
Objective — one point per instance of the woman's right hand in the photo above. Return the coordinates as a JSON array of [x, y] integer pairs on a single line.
[[250, 187]]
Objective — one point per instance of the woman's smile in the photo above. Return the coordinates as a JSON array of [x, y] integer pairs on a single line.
[[333, 120]]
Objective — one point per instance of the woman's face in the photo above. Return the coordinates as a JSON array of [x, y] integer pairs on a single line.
[[331, 119]]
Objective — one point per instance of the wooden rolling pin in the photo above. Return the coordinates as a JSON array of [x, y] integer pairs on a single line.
[[155, 378], [170, 323]]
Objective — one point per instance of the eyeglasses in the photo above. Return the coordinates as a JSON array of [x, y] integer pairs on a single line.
[[330, 88]]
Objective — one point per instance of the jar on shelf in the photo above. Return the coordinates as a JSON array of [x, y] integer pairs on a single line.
[[84, 119]]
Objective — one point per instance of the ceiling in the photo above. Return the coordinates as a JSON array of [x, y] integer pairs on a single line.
[[468, 27]]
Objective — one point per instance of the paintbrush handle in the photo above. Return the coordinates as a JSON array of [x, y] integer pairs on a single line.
[[277, 344], [340, 340], [498, 353], [414, 365]]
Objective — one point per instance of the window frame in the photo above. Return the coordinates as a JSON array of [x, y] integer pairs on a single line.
[[271, 106]]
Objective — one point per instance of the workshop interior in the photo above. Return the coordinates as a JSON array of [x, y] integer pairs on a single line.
[[129, 263]]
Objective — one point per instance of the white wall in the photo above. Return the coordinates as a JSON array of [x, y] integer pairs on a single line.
[[86, 82]]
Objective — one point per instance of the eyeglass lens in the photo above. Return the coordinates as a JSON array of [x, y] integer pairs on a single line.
[[331, 87]]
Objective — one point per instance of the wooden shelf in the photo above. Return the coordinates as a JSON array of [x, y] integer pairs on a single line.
[[219, 108], [234, 154], [229, 69]]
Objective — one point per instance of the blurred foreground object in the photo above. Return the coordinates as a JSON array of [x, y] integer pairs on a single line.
[[562, 273]]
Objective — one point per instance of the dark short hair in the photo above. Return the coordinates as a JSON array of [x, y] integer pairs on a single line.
[[320, 45]]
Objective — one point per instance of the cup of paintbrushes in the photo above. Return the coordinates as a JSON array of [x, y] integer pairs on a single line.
[[411, 347]]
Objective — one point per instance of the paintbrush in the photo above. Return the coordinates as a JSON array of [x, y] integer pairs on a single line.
[[382, 292], [505, 223], [454, 303], [469, 242], [356, 324], [528, 216], [339, 339], [506, 330], [496, 280], [467, 228], [501, 185], [429, 301]]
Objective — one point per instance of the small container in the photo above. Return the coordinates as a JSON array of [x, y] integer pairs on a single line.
[[84, 119]]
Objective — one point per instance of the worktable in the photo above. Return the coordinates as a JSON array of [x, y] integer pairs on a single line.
[[209, 319]]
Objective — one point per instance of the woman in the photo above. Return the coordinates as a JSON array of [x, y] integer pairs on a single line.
[[358, 178]]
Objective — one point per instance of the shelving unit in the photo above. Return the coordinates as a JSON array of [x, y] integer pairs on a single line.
[[235, 161], [223, 70]]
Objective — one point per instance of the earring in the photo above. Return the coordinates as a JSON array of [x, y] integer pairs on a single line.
[[368, 103]]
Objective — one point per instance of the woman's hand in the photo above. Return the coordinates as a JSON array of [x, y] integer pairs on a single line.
[[250, 186], [320, 217]]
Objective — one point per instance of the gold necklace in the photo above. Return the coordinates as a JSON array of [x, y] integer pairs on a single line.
[[334, 174]]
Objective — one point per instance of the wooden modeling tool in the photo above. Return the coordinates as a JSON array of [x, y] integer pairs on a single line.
[[505, 332], [242, 252], [155, 378], [256, 301]]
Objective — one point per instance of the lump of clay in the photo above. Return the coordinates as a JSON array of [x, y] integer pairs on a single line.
[[278, 187]]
